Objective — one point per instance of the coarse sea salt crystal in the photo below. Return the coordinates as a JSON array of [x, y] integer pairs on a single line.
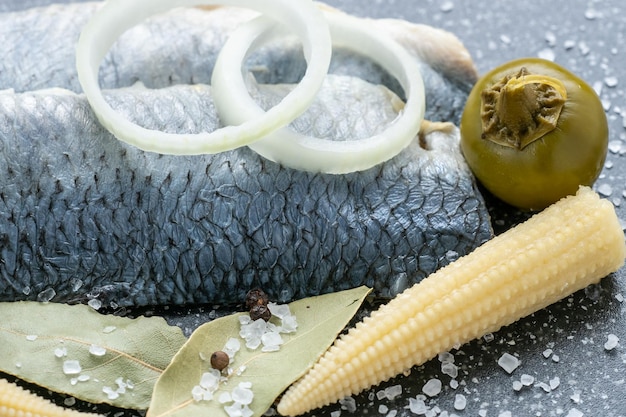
[[611, 82], [460, 402], [242, 394], [508, 362], [574, 412], [60, 352], [111, 393], [71, 367], [272, 339], [450, 369], [417, 406], [232, 346], [97, 350], [555, 382], [605, 190], [238, 410], [446, 357], [611, 342], [527, 380], [348, 404], [46, 295], [393, 391], [279, 310], [546, 53], [432, 387], [224, 398], [95, 304], [210, 380], [109, 329], [446, 6]]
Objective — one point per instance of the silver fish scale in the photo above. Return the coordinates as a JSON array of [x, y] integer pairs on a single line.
[[90, 217]]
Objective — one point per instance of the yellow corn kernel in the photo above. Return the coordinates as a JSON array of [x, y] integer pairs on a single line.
[[17, 402], [568, 246]]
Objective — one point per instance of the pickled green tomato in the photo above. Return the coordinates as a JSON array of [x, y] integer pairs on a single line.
[[532, 133]]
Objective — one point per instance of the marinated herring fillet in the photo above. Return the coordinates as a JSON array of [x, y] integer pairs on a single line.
[[181, 46], [568, 246], [84, 216]]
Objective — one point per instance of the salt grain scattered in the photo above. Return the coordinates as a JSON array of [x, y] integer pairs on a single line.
[[611, 81], [554, 383], [432, 387], [612, 341], [111, 393], [31, 337], [544, 386], [569, 44], [605, 189], [460, 402], [71, 367], [450, 369], [60, 352], [97, 350], [517, 385], [231, 347], [417, 406], [109, 329], [508, 362], [527, 380], [225, 398], [591, 14], [393, 391], [574, 413], [348, 404], [446, 6], [95, 304], [242, 393], [46, 295], [546, 53]]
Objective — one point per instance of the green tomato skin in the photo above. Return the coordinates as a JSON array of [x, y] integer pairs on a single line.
[[551, 167]]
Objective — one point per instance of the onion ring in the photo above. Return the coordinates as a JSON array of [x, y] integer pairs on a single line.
[[116, 16], [287, 147]]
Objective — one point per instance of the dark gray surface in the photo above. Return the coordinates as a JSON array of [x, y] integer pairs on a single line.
[[564, 341]]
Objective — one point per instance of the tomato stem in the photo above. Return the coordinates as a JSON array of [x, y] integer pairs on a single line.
[[521, 108]]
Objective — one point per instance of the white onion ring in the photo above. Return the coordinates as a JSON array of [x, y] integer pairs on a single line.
[[116, 16], [285, 146]]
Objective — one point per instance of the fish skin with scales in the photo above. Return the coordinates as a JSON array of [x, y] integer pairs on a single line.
[[85, 216], [181, 46]]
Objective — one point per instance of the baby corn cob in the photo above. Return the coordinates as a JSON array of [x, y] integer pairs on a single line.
[[17, 402], [568, 246]]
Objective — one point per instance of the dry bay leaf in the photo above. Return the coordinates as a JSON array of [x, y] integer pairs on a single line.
[[320, 319], [46, 343]]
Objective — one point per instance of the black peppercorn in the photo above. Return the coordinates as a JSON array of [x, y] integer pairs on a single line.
[[260, 312], [255, 297]]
